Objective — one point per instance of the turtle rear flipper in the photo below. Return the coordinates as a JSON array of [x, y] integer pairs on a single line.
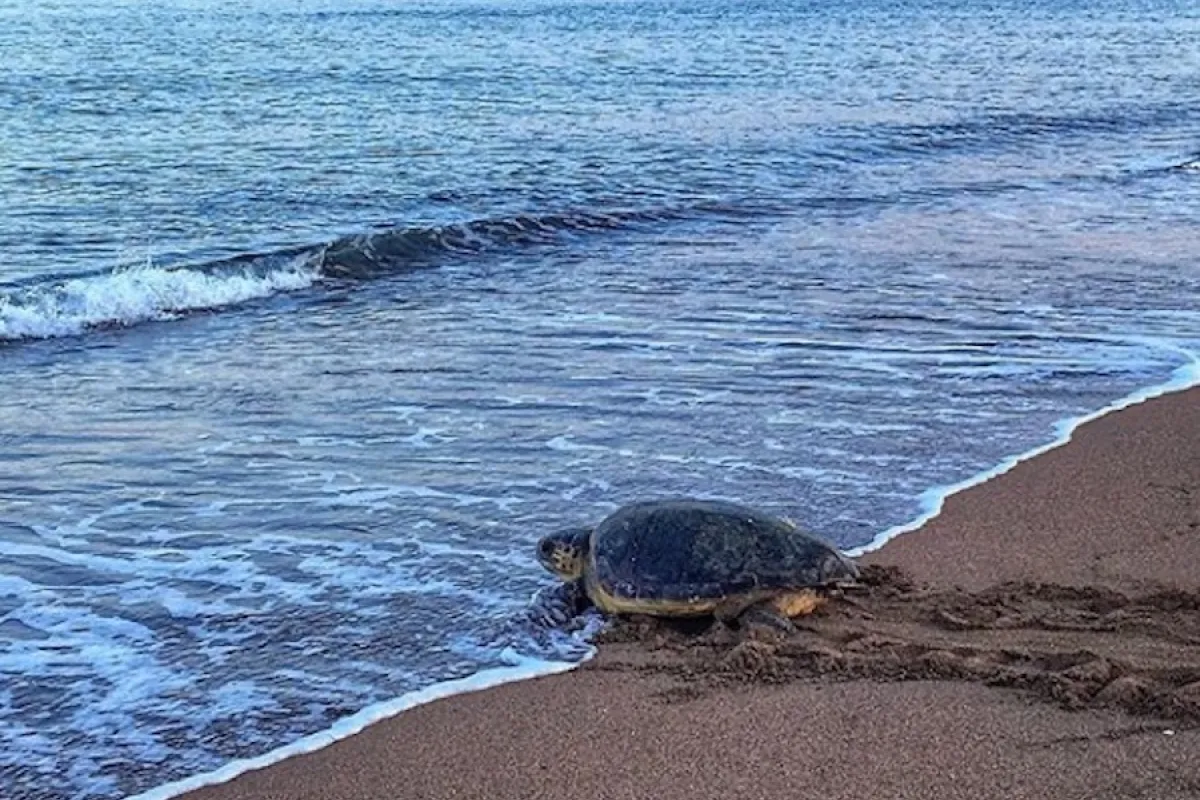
[[730, 610], [799, 603], [774, 612], [764, 616]]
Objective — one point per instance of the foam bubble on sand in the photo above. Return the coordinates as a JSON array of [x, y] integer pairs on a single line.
[[932, 500], [521, 668]]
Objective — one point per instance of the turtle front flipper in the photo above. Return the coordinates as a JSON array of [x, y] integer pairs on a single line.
[[556, 605]]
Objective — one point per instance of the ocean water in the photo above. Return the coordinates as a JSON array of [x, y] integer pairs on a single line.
[[316, 314]]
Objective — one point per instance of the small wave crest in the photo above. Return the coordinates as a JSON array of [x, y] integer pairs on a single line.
[[70, 306], [369, 255]]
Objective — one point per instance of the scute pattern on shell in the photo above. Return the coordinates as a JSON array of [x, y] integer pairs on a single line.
[[701, 549]]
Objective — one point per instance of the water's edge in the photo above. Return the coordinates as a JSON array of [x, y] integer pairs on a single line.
[[524, 669], [933, 500]]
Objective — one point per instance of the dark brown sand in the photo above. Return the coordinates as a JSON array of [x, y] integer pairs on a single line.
[[1039, 639]]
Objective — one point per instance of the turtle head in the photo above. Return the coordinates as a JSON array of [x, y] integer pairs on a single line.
[[563, 553]]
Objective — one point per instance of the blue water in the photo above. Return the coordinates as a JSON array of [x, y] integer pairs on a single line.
[[315, 315]]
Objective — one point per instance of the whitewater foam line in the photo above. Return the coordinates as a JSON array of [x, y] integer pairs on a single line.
[[523, 669], [933, 500], [127, 297], [69, 306]]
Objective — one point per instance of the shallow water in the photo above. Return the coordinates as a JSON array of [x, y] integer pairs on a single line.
[[316, 315]]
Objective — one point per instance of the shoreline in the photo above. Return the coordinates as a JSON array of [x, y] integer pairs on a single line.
[[527, 669], [934, 499], [1184, 383]]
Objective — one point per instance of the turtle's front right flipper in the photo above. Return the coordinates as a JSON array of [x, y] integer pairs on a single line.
[[558, 604]]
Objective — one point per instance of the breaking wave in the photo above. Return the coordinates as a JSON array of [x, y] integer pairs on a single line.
[[69, 306]]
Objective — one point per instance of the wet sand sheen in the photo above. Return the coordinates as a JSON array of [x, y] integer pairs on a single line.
[[1082, 559]]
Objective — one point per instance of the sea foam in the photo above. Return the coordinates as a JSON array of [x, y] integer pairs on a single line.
[[521, 668], [71, 306]]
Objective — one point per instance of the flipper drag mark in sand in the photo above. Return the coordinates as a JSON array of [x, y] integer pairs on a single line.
[[1075, 646]]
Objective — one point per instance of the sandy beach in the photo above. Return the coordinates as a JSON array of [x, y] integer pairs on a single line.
[[1038, 639]]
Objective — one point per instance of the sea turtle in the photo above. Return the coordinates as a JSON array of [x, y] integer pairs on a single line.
[[685, 557]]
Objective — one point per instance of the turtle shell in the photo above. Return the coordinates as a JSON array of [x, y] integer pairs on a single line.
[[693, 551]]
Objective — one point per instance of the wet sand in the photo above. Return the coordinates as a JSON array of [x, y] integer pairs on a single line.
[[1039, 639]]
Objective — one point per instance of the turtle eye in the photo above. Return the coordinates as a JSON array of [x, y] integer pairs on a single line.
[[546, 547]]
